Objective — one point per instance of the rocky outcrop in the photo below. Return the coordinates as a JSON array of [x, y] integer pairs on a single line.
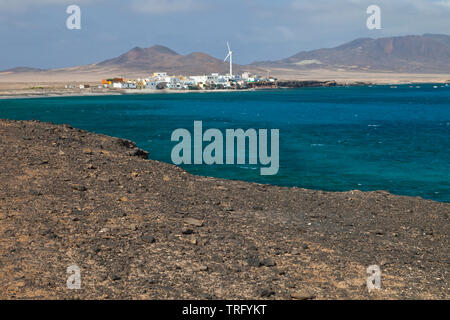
[[142, 229], [304, 84]]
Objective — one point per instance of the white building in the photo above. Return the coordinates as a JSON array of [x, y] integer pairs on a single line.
[[151, 85], [198, 79], [117, 85]]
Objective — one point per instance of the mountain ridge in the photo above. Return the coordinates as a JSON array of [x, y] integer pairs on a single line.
[[426, 53], [161, 58]]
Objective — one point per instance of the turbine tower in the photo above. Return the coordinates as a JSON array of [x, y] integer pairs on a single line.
[[230, 54]]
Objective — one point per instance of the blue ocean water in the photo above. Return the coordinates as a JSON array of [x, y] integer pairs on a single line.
[[342, 138]]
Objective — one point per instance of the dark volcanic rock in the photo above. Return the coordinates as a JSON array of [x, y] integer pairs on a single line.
[[97, 204]]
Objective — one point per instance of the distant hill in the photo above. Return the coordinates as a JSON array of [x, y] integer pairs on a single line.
[[23, 69], [427, 53], [144, 61], [160, 58]]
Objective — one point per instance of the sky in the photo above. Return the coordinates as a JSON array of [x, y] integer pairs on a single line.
[[33, 33]]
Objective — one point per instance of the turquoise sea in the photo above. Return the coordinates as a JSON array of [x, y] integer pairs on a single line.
[[342, 138]]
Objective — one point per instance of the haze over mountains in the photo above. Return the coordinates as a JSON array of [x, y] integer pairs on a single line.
[[429, 53]]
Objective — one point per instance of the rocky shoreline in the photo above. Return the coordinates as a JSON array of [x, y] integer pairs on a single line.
[[142, 229]]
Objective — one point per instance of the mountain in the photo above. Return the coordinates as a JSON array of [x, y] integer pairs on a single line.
[[160, 58], [427, 53], [143, 57], [137, 62]]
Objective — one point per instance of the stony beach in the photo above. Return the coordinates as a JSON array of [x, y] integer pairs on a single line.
[[142, 229]]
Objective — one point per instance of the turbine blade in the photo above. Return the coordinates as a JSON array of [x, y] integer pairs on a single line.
[[226, 57], [228, 45]]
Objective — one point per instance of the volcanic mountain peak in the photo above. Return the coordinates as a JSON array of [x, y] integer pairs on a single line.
[[157, 58], [161, 49], [141, 55]]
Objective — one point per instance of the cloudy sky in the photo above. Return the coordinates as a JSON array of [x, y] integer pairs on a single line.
[[33, 32]]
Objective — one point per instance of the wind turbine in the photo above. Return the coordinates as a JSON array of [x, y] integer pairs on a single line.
[[230, 54]]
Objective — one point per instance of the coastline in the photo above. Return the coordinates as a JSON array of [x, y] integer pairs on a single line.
[[62, 92], [96, 201], [106, 92]]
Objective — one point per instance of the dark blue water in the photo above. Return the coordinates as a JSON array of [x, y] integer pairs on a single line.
[[366, 138]]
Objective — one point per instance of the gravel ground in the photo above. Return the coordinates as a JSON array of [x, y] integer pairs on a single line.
[[142, 229]]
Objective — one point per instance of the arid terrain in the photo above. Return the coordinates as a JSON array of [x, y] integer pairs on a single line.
[[142, 229], [30, 84]]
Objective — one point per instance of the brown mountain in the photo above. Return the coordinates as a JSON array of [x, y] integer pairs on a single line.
[[427, 53], [138, 62], [160, 58]]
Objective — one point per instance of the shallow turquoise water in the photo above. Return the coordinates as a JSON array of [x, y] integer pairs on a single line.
[[367, 138]]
